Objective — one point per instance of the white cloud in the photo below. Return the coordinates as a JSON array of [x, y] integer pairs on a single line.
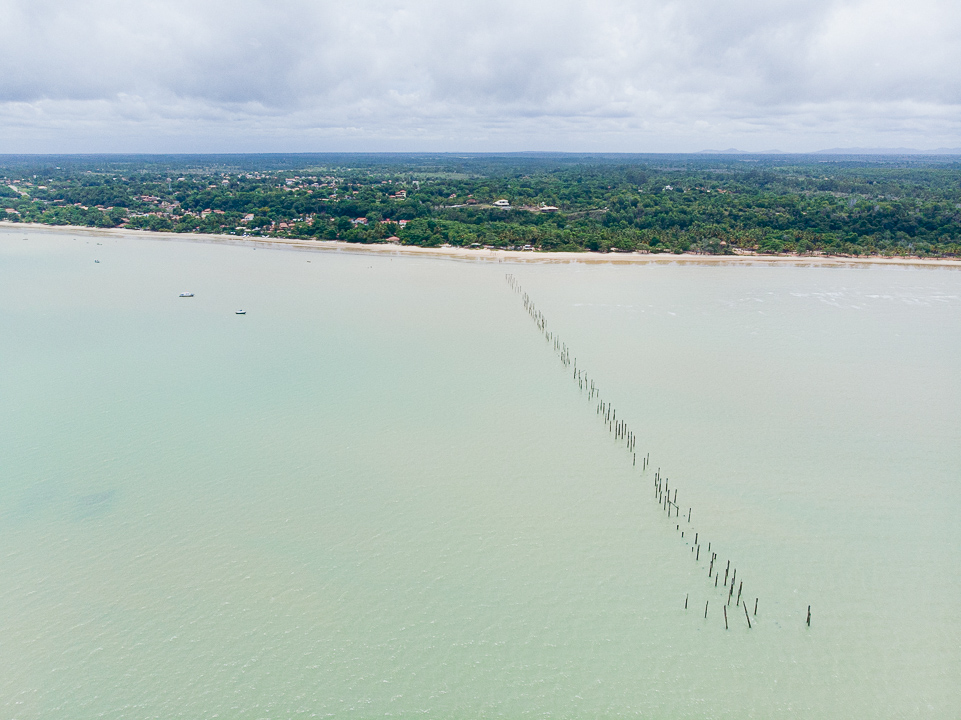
[[648, 75]]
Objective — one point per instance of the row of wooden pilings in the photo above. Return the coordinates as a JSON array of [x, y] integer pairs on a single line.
[[624, 435]]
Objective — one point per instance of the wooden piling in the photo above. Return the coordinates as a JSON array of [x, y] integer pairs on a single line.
[[622, 432]]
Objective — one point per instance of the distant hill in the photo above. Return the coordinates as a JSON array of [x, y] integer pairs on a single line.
[[735, 151], [886, 151], [839, 151]]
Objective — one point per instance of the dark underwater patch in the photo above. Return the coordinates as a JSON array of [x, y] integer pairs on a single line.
[[94, 504]]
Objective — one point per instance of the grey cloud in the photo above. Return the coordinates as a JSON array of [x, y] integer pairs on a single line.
[[297, 74]]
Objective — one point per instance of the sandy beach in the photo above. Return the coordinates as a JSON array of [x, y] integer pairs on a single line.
[[485, 255]]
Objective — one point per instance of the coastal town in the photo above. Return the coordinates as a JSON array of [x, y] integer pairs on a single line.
[[707, 206]]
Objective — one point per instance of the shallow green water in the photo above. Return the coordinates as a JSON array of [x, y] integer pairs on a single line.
[[379, 493]]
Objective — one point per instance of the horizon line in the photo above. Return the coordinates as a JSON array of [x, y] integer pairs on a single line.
[[732, 152]]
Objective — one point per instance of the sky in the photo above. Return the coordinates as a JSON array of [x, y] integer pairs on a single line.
[[425, 75]]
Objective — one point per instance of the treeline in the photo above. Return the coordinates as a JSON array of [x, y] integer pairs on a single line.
[[888, 206]]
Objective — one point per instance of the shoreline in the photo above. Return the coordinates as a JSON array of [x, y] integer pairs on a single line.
[[485, 255]]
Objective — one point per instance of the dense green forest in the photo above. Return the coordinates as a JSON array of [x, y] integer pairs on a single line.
[[837, 205]]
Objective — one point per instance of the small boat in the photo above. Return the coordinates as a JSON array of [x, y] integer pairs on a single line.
[[96, 261], [186, 294], [240, 312]]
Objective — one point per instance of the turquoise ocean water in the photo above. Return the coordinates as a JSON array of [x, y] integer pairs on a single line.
[[380, 494]]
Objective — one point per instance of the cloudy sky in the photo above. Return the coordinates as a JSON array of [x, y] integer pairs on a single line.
[[366, 75]]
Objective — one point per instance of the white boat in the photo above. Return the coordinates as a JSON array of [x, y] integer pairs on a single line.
[[186, 294], [240, 312]]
